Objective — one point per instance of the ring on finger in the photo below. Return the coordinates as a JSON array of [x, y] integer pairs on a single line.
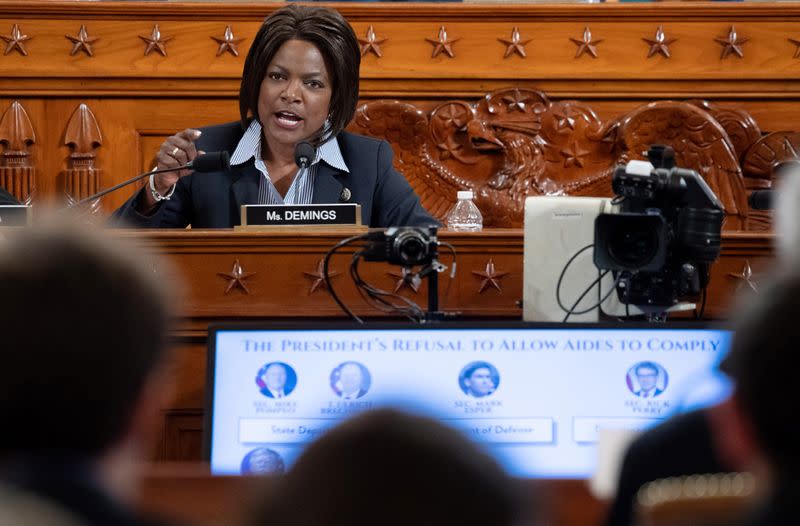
[[174, 151]]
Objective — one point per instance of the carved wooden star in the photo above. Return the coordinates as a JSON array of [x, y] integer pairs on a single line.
[[228, 42], [82, 42], [454, 116], [515, 102], [449, 147], [15, 41], [515, 45], [659, 44], [797, 49], [236, 277], [442, 44], [746, 276], [586, 45], [318, 277], [573, 156], [490, 277], [156, 42], [371, 43], [563, 120], [731, 44], [406, 278]]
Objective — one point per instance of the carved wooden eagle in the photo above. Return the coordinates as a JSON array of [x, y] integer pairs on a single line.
[[515, 143]]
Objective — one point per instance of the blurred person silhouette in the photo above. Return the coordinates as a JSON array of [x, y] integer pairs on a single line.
[[757, 424], [787, 211], [84, 352], [394, 469], [681, 445]]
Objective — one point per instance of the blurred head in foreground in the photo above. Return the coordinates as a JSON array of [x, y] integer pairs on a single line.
[[84, 327], [759, 424], [390, 468]]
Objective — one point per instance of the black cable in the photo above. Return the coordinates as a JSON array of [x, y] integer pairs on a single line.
[[326, 276], [564, 271], [452, 250], [374, 295], [702, 305], [361, 285], [585, 292]]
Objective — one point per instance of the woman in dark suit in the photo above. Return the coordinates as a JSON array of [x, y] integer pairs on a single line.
[[300, 83]]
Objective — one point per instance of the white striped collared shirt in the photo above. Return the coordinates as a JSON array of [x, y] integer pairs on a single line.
[[301, 190]]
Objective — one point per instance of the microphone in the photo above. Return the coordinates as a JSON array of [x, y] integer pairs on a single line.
[[208, 162], [304, 154], [761, 200]]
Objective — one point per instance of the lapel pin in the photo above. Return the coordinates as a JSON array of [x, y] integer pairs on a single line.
[[345, 195]]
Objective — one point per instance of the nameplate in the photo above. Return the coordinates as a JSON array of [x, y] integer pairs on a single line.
[[14, 215], [301, 215]]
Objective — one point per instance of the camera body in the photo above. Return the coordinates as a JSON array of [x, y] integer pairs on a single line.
[[666, 234], [404, 246]]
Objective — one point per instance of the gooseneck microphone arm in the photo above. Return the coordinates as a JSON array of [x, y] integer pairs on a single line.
[[209, 162]]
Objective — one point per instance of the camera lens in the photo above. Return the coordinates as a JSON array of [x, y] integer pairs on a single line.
[[634, 245], [699, 232], [411, 247]]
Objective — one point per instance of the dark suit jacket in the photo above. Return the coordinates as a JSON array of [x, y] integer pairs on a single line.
[[213, 200], [656, 392], [6, 198], [779, 508], [682, 445], [361, 392], [69, 485]]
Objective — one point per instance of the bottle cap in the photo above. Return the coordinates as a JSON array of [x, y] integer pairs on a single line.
[[465, 194]]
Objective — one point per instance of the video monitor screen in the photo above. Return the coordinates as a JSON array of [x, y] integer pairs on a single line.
[[536, 396]]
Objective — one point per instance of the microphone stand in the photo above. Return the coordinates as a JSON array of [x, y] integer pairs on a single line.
[[431, 272], [101, 193]]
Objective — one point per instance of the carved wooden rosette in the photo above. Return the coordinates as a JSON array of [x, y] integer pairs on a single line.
[[700, 143], [515, 142], [759, 163], [82, 177], [17, 175], [741, 127]]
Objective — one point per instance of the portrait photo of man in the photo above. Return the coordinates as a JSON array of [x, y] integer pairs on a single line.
[[479, 379], [647, 379], [263, 461], [350, 380], [276, 380]]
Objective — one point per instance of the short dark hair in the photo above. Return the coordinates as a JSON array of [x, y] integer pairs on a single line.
[[395, 469], [475, 366], [327, 29], [83, 325], [764, 342], [646, 365]]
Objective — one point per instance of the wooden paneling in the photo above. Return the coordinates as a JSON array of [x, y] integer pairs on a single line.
[[138, 99], [188, 494], [183, 436]]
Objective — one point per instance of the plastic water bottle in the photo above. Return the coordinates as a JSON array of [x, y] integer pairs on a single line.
[[464, 216]]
